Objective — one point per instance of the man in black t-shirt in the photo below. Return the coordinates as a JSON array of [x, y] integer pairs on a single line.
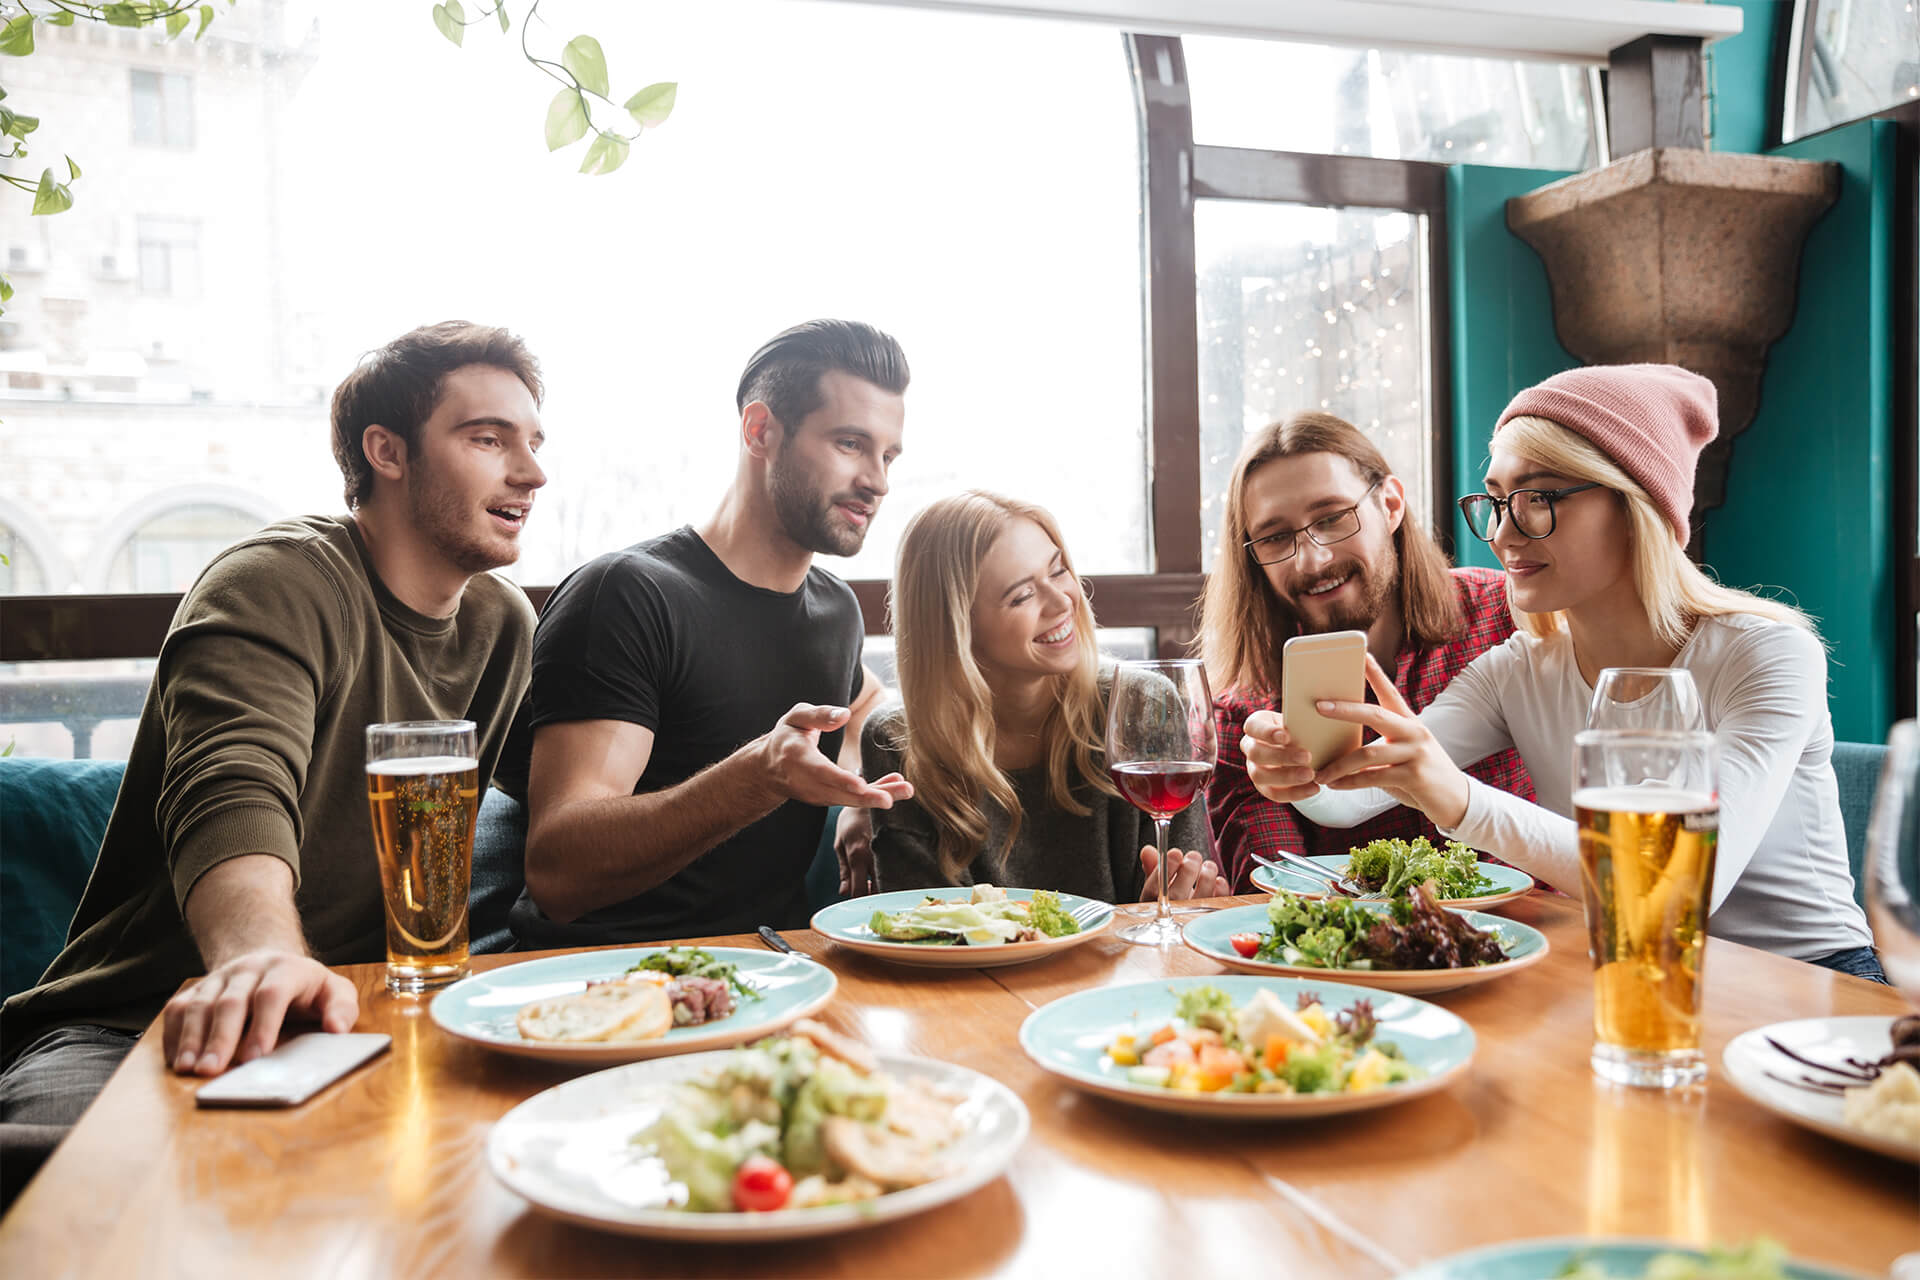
[[690, 693]]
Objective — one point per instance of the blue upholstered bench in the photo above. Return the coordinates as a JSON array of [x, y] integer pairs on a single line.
[[54, 812]]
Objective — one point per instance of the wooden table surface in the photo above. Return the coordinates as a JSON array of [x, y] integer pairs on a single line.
[[385, 1174]]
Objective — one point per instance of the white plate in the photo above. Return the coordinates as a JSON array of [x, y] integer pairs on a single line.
[[482, 1008], [1749, 1058], [566, 1151], [846, 923], [1069, 1038]]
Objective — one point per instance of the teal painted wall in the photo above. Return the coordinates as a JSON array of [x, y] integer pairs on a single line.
[[1740, 77], [1502, 320], [1809, 492]]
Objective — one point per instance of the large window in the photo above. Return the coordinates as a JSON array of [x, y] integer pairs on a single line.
[[844, 161]]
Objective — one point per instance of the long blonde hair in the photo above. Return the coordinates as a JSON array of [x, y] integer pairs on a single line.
[[1674, 590], [1243, 624], [947, 744]]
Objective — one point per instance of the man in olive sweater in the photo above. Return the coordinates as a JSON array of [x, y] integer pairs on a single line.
[[239, 855]]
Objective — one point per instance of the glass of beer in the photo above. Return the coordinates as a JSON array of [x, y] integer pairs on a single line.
[[423, 786], [1649, 817]]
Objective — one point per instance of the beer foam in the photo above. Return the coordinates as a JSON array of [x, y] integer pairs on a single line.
[[1647, 799], [414, 766]]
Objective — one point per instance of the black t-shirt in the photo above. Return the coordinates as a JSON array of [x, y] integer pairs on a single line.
[[664, 636]]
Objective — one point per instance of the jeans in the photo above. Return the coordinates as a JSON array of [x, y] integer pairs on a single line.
[[1861, 962], [44, 1091]]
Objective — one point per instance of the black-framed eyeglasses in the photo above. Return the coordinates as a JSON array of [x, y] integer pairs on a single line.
[[1531, 510], [1276, 548]]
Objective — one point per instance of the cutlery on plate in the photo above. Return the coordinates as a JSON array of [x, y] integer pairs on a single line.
[[1294, 864], [1086, 913], [774, 940]]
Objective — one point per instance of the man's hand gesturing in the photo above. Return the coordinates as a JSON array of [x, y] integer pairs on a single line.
[[794, 769]]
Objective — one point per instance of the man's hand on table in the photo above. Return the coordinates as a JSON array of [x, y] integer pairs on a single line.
[[234, 1014]]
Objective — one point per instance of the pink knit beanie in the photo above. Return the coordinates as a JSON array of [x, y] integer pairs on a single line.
[[1652, 419]]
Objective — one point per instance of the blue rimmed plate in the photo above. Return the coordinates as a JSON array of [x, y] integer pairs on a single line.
[[846, 923], [482, 1008], [1510, 883], [1209, 935], [1616, 1257], [1070, 1037]]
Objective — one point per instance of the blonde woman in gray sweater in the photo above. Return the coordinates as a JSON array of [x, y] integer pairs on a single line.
[[1002, 721]]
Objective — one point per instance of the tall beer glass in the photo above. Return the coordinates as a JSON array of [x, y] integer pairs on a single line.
[[423, 786], [1649, 815]]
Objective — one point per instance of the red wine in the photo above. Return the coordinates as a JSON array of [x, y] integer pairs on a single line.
[[1161, 788]]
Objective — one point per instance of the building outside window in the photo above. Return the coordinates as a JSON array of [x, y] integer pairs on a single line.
[[162, 109], [169, 257]]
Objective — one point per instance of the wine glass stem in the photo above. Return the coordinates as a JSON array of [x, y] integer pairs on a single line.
[[1162, 832]]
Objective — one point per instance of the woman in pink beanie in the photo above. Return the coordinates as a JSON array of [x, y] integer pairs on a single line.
[[1589, 487]]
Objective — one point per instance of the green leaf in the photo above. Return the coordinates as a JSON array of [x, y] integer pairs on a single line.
[[443, 19], [51, 197], [16, 38], [566, 119], [60, 19], [73, 170], [608, 152], [177, 22], [653, 104], [6, 289], [206, 17], [23, 125], [125, 15], [582, 56], [500, 12]]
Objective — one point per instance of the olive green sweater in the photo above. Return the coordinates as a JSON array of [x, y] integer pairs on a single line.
[[252, 740]]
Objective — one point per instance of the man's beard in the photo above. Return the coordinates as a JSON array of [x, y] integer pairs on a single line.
[[806, 517], [1376, 593], [436, 511]]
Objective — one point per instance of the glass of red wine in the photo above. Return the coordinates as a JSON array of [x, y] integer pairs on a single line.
[[1161, 747]]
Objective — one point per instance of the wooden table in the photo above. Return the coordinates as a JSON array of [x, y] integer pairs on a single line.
[[385, 1174]]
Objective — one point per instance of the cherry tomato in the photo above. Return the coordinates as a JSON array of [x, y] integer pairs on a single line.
[[761, 1183], [1245, 943]]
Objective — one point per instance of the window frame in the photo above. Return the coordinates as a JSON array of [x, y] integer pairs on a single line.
[[166, 118]]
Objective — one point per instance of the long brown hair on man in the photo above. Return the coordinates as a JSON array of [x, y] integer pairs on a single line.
[[1243, 624]]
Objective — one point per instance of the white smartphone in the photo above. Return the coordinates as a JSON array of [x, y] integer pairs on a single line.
[[294, 1072], [1319, 667]]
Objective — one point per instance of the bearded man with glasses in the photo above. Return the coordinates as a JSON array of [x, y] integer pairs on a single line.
[[1317, 538]]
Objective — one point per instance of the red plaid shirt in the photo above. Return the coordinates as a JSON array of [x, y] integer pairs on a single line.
[[1245, 821]]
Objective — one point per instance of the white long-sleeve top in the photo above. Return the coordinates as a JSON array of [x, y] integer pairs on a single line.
[[1781, 878]]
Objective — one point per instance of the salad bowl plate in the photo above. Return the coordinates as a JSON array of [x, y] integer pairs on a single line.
[[569, 1153], [482, 1008], [1210, 935], [1509, 882], [1756, 1069], [1070, 1037], [1617, 1258], [846, 924]]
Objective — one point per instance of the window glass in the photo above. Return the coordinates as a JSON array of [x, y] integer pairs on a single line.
[[167, 552], [21, 572], [822, 160], [1309, 308], [72, 710], [1277, 95], [1865, 58], [162, 109]]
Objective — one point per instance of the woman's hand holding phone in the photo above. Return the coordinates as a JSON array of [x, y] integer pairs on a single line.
[[1406, 761]]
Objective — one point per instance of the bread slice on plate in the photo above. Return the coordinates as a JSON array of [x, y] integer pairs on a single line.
[[635, 1007]]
